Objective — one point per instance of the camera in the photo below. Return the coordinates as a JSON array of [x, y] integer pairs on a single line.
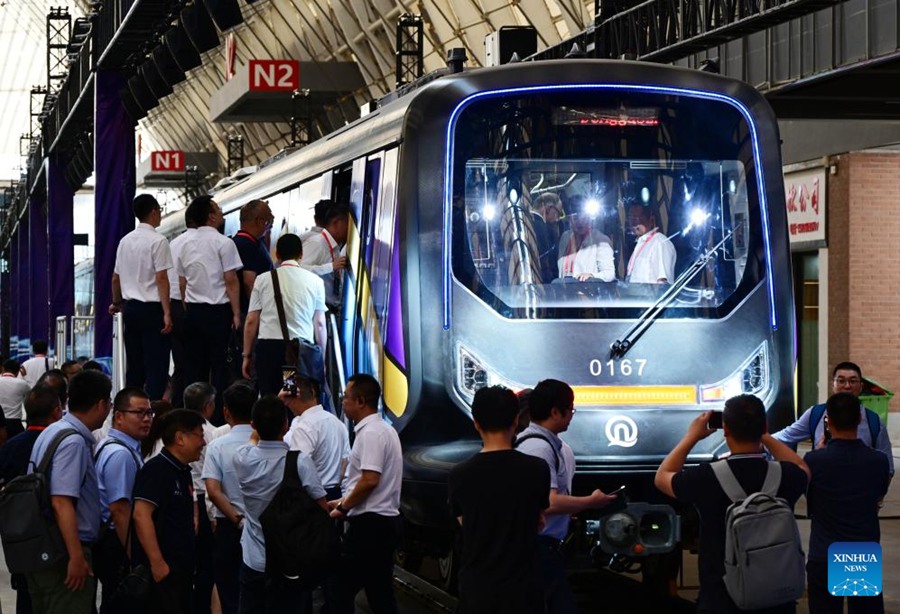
[[289, 380]]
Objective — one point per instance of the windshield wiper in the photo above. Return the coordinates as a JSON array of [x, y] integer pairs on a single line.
[[620, 347]]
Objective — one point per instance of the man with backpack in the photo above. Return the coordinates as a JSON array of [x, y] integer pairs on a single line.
[[261, 472], [812, 426], [69, 586], [848, 481], [552, 406], [118, 459], [42, 408], [708, 485]]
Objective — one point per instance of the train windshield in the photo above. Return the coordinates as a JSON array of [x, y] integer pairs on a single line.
[[595, 204]]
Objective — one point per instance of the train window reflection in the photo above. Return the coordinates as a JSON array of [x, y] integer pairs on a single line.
[[589, 237]]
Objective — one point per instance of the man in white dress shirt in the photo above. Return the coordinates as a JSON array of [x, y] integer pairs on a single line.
[[653, 258], [33, 368], [207, 272], [303, 298], [140, 289], [324, 253], [371, 502], [177, 336], [318, 434], [584, 253], [13, 392]]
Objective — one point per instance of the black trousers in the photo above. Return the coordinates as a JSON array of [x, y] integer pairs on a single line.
[[207, 328], [227, 564], [204, 577], [368, 563], [109, 557], [172, 595], [821, 602], [269, 359], [179, 355], [146, 348]]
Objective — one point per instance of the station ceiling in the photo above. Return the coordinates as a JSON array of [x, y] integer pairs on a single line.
[[23, 47], [361, 31]]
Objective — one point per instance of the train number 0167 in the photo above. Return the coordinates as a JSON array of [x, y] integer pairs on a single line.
[[625, 368]]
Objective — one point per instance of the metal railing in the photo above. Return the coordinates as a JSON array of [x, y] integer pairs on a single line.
[[61, 347]]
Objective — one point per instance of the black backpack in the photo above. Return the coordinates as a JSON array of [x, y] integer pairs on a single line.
[[31, 538], [301, 540]]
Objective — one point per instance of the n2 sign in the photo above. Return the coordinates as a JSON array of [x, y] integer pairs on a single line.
[[274, 75], [162, 161]]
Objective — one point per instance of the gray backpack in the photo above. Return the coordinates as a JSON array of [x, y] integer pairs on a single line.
[[764, 559]]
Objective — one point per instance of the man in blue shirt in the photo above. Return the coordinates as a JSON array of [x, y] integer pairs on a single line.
[[42, 408], [164, 513], [848, 481], [70, 586], [260, 468], [223, 490], [118, 460], [846, 377], [256, 221], [552, 407]]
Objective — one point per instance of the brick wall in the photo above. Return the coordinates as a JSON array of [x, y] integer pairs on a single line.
[[864, 265]]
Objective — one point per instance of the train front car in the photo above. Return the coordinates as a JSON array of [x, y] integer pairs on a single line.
[[619, 226]]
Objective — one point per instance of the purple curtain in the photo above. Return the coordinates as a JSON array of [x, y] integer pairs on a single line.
[[24, 290], [60, 202], [39, 278], [114, 174], [15, 264]]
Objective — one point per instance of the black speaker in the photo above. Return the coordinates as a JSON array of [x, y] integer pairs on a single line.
[[142, 94], [226, 13], [155, 82], [133, 109], [167, 66], [199, 27], [182, 49]]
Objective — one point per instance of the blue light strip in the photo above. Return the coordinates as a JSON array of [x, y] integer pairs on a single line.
[[655, 89]]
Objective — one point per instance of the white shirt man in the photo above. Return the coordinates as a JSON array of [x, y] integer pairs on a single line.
[[318, 434], [653, 258], [35, 367], [591, 258], [13, 392], [140, 279], [203, 263]]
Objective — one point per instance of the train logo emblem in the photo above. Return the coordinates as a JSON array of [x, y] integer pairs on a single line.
[[621, 431]]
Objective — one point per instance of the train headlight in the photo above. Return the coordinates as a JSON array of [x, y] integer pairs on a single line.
[[752, 377], [472, 375]]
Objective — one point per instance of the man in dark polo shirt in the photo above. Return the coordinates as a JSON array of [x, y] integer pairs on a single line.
[[164, 513], [744, 420], [256, 221], [849, 480]]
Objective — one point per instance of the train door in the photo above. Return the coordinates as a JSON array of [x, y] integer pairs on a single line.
[[367, 285]]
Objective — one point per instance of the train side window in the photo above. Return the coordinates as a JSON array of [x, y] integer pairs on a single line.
[[385, 229], [303, 200]]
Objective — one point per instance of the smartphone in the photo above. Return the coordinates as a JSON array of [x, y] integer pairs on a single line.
[[715, 420], [289, 380]]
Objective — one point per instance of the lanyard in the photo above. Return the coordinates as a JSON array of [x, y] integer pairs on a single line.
[[293, 264], [638, 251], [242, 233], [330, 246]]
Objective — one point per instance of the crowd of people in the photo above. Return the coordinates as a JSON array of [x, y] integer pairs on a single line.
[[174, 475]]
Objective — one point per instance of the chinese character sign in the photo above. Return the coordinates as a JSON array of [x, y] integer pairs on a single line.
[[805, 200]]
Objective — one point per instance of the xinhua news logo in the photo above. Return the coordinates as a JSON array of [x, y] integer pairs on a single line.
[[854, 569]]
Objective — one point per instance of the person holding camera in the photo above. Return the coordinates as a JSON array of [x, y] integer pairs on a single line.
[[300, 297]]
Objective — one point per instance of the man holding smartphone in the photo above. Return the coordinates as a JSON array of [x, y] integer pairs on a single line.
[[551, 405]]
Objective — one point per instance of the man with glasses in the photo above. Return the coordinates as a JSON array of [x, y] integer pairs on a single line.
[[70, 585], [118, 459], [140, 289], [551, 405], [164, 513], [812, 425], [256, 221]]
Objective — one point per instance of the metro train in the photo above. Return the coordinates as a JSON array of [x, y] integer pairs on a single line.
[[447, 292]]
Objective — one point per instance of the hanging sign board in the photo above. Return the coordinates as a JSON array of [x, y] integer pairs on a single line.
[[274, 75]]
